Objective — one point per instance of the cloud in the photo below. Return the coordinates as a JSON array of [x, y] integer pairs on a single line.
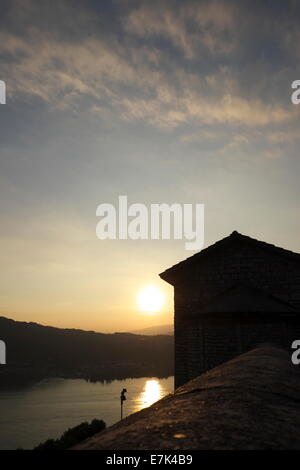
[[51, 69], [144, 82], [196, 108], [186, 26]]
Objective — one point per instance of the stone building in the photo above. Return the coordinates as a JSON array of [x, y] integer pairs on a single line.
[[230, 297]]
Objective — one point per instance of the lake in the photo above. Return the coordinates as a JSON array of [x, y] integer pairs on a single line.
[[45, 410]]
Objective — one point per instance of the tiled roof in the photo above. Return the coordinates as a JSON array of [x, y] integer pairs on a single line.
[[234, 236]]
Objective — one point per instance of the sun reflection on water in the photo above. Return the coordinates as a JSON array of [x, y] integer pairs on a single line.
[[151, 393]]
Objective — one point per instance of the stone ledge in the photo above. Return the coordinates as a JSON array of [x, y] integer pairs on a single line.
[[250, 402]]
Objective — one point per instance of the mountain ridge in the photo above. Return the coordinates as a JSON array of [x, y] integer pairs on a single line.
[[35, 352]]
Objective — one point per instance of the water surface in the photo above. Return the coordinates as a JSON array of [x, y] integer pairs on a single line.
[[45, 410]]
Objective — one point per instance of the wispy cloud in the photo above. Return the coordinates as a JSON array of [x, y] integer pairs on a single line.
[[209, 24], [143, 82]]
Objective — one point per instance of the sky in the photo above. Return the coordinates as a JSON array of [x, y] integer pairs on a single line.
[[162, 101]]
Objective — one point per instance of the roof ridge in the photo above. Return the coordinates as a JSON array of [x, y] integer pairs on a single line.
[[234, 235]]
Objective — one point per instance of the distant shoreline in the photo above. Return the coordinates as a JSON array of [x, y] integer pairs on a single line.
[[36, 352], [17, 381]]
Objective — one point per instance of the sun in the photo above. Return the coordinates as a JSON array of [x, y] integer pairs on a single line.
[[150, 299]]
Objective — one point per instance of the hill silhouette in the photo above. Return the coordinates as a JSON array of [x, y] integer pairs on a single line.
[[35, 352]]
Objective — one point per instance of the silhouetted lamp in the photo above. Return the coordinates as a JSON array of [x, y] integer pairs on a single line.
[[122, 398]]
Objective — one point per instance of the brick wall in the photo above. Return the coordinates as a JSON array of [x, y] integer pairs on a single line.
[[206, 344]]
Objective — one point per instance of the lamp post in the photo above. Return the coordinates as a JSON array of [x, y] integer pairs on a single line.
[[122, 398]]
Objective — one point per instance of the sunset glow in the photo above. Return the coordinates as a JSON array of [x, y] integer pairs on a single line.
[[189, 108], [150, 299]]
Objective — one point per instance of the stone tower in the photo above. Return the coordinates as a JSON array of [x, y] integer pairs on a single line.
[[230, 297]]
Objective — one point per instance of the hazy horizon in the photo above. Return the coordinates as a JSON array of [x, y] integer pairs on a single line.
[[134, 330]]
